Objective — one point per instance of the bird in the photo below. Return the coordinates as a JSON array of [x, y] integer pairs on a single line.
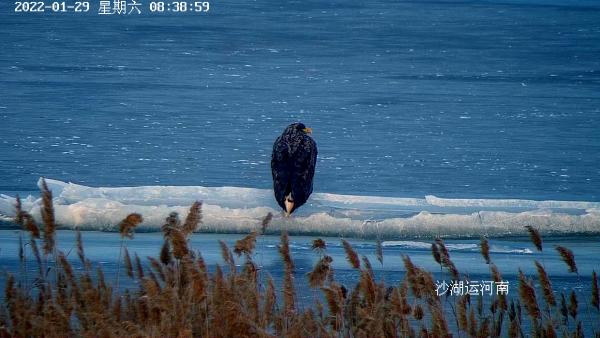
[[293, 166]]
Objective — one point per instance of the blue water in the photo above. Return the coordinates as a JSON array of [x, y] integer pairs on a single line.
[[458, 99]]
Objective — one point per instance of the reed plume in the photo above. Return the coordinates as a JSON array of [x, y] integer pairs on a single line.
[[445, 259], [193, 218], [30, 225], [266, 222], [485, 250], [47, 212], [180, 247], [435, 252], [317, 277], [351, 255], [128, 224], [165, 253], [334, 299], [246, 245], [172, 221], [319, 246], [226, 254], [535, 237], [568, 257], [527, 294], [546, 285], [573, 305], [379, 251]]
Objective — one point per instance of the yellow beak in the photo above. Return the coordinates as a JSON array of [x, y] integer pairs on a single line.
[[308, 130]]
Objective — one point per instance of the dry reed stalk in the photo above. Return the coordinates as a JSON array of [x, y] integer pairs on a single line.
[[546, 285], [579, 331], [367, 266], [317, 277], [269, 303], [568, 257], [139, 268], [535, 237], [79, 244], [418, 312], [246, 245], [165, 253], [289, 293], [157, 266], [513, 329], [180, 247], [284, 250], [549, 332], [266, 222], [435, 252], [36, 253], [334, 299], [193, 218], [47, 212], [227, 257], [368, 289], [172, 221], [595, 293], [18, 211], [502, 303], [351, 255], [445, 259], [379, 251], [31, 226], [564, 310], [66, 267], [573, 305], [461, 311], [485, 249], [128, 265], [412, 276], [484, 328], [473, 324], [527, 294]]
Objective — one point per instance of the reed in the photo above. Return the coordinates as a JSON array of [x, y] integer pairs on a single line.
[[177, 295], [568, 257], [351, 255], [535, 237], [485, 250], [546, 284], [595, 293]]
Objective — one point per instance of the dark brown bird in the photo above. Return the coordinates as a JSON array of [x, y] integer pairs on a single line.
[[293, 166]]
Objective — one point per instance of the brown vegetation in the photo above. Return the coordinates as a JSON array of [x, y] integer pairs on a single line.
[[177, 296]]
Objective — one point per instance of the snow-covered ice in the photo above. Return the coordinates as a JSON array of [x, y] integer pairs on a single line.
[[235, 209]]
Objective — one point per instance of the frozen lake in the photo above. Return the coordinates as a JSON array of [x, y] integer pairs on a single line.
[[470, 99]]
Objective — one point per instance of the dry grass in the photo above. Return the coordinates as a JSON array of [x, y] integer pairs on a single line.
[[177, 296]]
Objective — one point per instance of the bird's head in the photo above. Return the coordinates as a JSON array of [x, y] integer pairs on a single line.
[[298, 127]]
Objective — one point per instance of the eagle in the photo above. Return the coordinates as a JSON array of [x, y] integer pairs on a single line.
[[293, 166]]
